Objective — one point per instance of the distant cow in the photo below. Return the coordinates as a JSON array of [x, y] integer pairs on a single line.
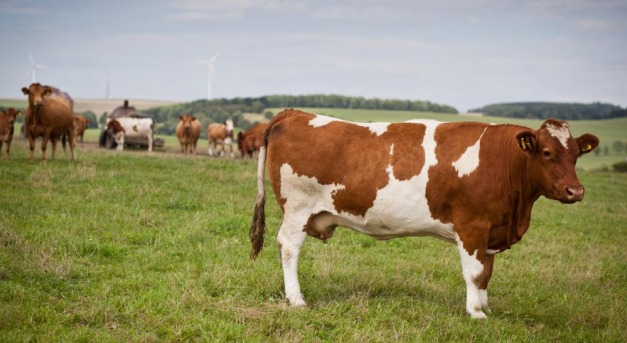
[[49, 115], [127, 127], [188, 132], [220, 134], [7, 119], [80, 125], [469, 184], [250, 141]]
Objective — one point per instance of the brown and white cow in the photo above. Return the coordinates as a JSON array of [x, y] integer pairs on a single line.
[[80, 125], [130, 127], [49, 115], [188, 132], [251, 141], [220, 134], [469, 184], [7, 121]]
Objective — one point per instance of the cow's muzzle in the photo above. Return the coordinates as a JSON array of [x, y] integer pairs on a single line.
[[572, 194]]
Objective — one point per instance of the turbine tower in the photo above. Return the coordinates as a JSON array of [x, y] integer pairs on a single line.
[[33, 67], [108, 94], [209, 64]]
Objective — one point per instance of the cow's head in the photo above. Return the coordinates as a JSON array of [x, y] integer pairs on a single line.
[[11, 114], [36, 93], [187, 120], [552, 152], [114, 127]]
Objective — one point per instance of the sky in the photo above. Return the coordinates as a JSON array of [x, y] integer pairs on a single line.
[[465, 54]]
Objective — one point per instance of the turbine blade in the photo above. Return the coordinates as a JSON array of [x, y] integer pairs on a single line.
[[32, 61]]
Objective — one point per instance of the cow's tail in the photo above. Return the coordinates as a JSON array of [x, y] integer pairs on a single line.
[[258, 225]]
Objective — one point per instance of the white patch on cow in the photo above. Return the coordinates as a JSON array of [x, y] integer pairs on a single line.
[[321, 120], [376, 128], [560, 132], [471, 270], [305, 194], [391, 149], [468, 162], [229, 125], [492, 251]]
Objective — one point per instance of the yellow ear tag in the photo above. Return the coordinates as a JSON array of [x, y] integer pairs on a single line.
[[525, 144], [588, 148]]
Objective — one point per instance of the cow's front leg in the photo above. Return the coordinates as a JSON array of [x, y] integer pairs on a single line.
[[31, 146], [44, 145], [290, 240], [476, 269]]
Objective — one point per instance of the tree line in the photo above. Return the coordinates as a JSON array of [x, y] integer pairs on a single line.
[[218, 110], [545, 110]]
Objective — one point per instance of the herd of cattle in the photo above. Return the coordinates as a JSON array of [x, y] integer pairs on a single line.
[[49, 116], [470, 184]]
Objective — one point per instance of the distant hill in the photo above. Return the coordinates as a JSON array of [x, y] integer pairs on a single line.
[[544, 110]]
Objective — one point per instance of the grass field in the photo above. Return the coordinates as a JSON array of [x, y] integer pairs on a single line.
[[138, 247]]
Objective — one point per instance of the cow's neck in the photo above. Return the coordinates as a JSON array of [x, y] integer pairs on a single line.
[[36, 114], [522, 194]]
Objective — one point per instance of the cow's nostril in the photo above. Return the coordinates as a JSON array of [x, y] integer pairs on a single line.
[[575, 193]]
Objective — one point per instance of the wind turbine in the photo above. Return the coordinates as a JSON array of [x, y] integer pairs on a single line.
[[209, 64], [33, 67]]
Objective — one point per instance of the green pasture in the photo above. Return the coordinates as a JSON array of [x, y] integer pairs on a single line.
[[138, 247]]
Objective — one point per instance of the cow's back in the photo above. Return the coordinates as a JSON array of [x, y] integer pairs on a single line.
[[216, 131]]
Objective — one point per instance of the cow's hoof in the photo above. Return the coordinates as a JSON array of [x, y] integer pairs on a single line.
[[296, 301], [477, 314]]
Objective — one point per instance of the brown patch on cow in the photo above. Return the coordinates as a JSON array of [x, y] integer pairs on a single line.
[[344, 154], [408, 157], [135, 128]]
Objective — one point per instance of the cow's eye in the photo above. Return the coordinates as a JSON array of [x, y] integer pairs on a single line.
[[546, 154]]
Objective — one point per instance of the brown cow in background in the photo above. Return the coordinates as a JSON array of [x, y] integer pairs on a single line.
[[188, 132], [49, 115], [80, 125], [7, 119], [220, 134], [250, 141]]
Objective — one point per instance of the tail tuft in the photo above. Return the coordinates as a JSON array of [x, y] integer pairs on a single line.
[[257, 228]]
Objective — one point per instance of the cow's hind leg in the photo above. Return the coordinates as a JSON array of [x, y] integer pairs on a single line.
[[290, 239], [476, 269]]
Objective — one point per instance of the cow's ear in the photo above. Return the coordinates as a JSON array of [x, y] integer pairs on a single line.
[[25, 91], [180, 117], [526, 141], [47, 90], [18, 113], [587, 143], [193, 118]]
